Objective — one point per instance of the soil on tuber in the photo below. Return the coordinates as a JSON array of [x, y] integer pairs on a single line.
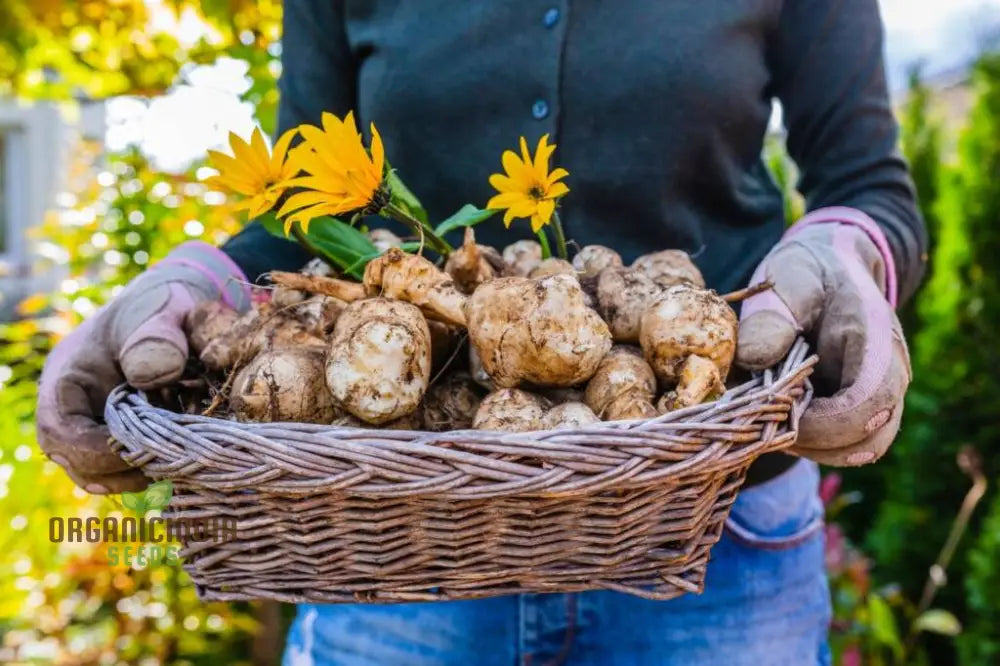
[[552, 266], [623, 387], [283, 385], [699, 381], [473, 264], [511, 410], [379, 360], [669, 267], [623, 295], [522, 257], [569, 415], [451, 404], [592, 259], [536, 331]]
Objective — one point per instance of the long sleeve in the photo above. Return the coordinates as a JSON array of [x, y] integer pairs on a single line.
[[318, 74], [830, 77]]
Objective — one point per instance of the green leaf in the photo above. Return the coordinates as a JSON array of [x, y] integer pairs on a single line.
[[883, 625], [134, 501], [346, 259], [331, 239], [467, 216], [332, 231], [158, 494], [404, 197], [938, 621], [273, 225]]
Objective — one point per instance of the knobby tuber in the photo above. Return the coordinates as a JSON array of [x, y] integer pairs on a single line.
[[283, 385], [592, 259], [669, 267], [451, 404], [569, 415], [699, 381], [623, 387], [623, 296], [473, 264], [379, 360], [536, 331], [522, 257], [511, 410], [689, 322], [551, 344], [552, 266]]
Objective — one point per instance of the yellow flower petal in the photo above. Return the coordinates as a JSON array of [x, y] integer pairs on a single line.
[[542, 154], [253, 170], [513, 165], [259, 146], [246, 154], [557, 174], [524, 208], [537, 223], [378, 152], [279, 156], [338, 173], [545, 210], [232, 184], [505, 200], [304, 200], [527, 188], [557, 190], [229, 166], [502, 183], [525, 155]]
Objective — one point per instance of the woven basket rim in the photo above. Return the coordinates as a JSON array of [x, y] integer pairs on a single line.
[[463, 464]]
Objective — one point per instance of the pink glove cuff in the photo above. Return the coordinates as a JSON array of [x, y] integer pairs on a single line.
[[217, 267], [856, 218]]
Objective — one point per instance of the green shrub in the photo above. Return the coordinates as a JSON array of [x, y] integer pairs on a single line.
[[956, 390]]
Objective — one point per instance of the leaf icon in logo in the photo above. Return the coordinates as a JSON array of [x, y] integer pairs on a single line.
[[135, 501], [158, 495]]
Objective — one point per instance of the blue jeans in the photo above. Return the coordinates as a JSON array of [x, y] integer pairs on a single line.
[[766, 603]]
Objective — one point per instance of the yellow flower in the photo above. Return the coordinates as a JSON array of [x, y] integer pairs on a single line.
[[340, 176], [528, 189], [253, 171]]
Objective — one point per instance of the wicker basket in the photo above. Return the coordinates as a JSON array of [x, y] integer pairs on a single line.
[[332, 514]]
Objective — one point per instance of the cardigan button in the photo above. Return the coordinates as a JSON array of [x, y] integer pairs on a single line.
[[540, 109]]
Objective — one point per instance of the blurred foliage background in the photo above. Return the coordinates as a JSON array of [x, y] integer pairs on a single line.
[[890, 524]]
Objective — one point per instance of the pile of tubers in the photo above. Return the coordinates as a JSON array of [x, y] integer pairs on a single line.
[[492, 340]]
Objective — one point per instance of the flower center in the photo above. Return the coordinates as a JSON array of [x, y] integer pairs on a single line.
[[536, 192]]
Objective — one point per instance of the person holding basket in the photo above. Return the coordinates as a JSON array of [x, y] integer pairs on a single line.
[[660, 111]]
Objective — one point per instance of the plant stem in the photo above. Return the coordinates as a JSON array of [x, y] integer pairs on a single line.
[[303, 240], [560, 236], [971, 465], [752, 290], [416, 226], [544, 242]]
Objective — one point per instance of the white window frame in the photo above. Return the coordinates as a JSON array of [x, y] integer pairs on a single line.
[[14, 196], [31, 153]]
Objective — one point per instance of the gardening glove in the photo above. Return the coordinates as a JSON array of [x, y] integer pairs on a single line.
[[139, 338], [834, 282]]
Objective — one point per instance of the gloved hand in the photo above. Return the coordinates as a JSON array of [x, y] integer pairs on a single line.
[[834, 282], [139, 338]]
